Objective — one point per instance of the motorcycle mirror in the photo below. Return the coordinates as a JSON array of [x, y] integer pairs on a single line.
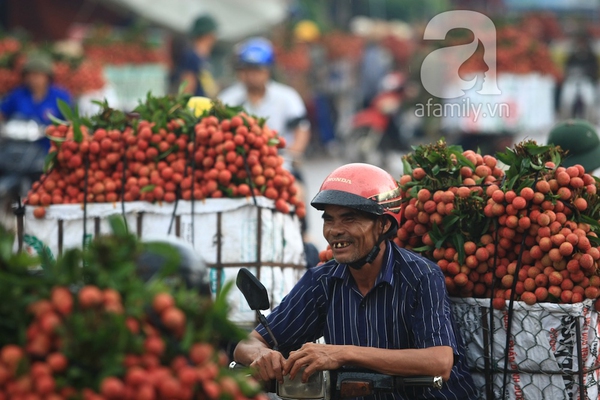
[[255, 292], [257, 297]]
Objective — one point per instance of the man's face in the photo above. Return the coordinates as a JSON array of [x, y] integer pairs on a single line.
[[206, 42], [255, 78], [350, 233], [37, 81]]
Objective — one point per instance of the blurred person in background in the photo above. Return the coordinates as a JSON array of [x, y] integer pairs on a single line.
[[319, 102], [282, 105], [259, 95], [578, 97], [192, 60], [584, 57], [36, 98], [580, 139], [377, 62], [343, 56]]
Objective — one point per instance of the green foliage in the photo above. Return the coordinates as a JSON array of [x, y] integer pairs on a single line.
[[170, 112], [222, 111], [526, 161], [442, 164], [108, 118], [96, 340], [467, 222], [161, 110], [19, 286], [215, 324]]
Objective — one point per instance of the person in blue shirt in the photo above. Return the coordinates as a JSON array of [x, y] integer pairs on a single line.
[[377, 306], [36, 98], [193, 67]]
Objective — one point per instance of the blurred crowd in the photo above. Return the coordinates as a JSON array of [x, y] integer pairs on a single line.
[[365, 81], [316, 87], [329, 91], [348, 93]]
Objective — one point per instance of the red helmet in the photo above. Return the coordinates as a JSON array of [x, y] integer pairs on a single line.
[[362, 187]]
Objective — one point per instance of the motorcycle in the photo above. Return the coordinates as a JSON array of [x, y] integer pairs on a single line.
[[21, 164], [346, 382], [379, 129]]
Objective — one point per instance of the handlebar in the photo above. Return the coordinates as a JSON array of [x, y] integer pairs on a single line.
[[19, 129], [376, 380], [383, 382], [235, 365], [435, 382]]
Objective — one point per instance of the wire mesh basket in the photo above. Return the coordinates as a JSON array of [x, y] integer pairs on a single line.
[[543, 351]]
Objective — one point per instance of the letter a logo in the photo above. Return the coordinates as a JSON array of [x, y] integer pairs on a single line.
[[445, 62]]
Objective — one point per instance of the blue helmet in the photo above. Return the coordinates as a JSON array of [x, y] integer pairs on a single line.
[[256, 52]]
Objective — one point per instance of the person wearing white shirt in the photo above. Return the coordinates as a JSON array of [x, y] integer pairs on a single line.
[[259, 95]]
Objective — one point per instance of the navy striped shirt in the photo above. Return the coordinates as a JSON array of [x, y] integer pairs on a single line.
[[407, 308]]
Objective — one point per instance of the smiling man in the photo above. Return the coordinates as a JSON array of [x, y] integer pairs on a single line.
[[378, 306]]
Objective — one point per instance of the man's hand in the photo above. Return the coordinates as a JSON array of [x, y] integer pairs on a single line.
[[315, 357], [256, 353], [269, 365], [189, 79]]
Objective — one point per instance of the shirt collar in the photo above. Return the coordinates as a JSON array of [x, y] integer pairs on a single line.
[[341, 271], [387, 266], [265, 99]]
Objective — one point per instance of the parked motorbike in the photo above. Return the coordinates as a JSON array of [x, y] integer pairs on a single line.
[[344, 383], [21, 164], [377, 129]]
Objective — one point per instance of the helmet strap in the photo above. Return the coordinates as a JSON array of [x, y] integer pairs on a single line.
[[370, 257]]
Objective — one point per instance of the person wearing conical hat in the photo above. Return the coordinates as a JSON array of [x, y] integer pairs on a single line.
[[580, 139]]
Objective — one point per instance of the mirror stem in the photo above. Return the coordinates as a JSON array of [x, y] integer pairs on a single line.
[[264, 323]]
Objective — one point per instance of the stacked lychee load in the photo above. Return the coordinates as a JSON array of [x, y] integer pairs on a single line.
[[155, 156], [531, 230]]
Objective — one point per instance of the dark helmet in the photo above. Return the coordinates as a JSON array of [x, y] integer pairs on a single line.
[[254, 52], [581, 140], [158, 254], [363, 187], [203, 25]]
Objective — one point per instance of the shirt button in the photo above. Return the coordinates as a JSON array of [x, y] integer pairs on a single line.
[[362, 305]]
